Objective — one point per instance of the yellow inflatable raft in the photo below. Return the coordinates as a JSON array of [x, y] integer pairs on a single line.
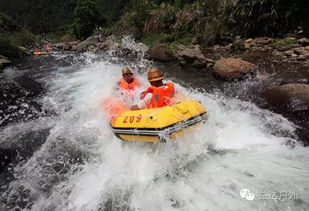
[[153, 125]]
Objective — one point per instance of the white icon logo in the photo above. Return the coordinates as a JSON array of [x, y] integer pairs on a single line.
[[245, 194]]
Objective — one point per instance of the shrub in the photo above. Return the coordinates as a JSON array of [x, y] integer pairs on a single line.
[[169, 16], [7, 24], [7, 49], [23, 38], [266, 17], [86, 17]]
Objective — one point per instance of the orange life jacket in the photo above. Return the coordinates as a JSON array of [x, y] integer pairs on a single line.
[[161, 96], [129, 88]]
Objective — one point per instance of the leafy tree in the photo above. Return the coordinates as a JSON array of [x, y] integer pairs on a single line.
[[86, 17], [40, 16]]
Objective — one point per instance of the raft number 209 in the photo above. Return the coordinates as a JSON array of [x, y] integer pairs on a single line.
[[131, 119]]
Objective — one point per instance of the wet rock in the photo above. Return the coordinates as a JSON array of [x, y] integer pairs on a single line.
[[294, 55], [58, 46], [232, 68], [90, 41], [284, 48], [4, 62], [108, 45], [263, 40], [92, 48], [296, 45], [303, 41], [15, 149], [276, 53], [288, 52], [193, 56], [162, 53], [6, 157], [293, 97], [70, 46], [300, 51], [130, 48], [31, 86], [303, 57]]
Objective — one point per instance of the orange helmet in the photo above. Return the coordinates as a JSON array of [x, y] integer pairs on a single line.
[[154, 74], [126, 70]]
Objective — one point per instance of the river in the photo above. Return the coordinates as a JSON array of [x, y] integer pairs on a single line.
[[72, 160]]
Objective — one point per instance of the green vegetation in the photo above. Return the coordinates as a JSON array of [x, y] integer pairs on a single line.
[[284, 43], [85, 18], [12, 37], [267, 17], [170, 21]]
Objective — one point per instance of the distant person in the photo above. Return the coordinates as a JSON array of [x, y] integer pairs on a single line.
[[128, 84], [100, 35], [158, 95]]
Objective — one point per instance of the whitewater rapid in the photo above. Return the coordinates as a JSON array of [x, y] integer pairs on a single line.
[[83, 166]]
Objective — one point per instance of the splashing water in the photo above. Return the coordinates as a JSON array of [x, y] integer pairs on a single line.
[[83, 166]]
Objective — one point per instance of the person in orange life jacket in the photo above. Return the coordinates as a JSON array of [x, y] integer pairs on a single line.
[[128, 84], [158, 95]]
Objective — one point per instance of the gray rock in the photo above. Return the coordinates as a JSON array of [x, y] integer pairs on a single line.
[[263, 40], [303, 41], [194, 57], [301, 51], [109, 44], [292, 97], [162, 53], [303, 57], [288, 52], [4, 62], [276, 53], [90, 41]]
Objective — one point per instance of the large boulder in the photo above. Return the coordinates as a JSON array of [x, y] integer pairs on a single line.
[[109, 44], [162, 53], [293, 97], [89, 43], [4, 62], [193, 56], [304, 41], [232, 68]]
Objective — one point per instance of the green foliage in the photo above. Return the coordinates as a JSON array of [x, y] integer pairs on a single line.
[[266, 17], [86, 17], [214, 32], [238, 45], [141, 11], [23, 38], [12, 37], [171, 39], [110, 10], [40, 16], [7, 49], [169, 16], [7, 24], [284, 43]]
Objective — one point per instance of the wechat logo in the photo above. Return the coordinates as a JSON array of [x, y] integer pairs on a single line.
[[246, 194]]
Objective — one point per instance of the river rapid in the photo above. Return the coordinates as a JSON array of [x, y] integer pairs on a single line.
[[74, 161]]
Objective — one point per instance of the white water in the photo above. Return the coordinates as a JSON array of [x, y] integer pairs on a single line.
[[83, 166]]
